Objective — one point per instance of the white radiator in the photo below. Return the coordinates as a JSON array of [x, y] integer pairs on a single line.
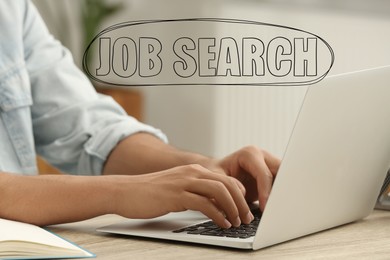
[[218, 120], [262, 116]]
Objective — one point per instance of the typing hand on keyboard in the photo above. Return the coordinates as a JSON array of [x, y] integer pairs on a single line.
[[210, 229]]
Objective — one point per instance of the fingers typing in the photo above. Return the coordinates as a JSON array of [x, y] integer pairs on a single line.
[[227, 194]]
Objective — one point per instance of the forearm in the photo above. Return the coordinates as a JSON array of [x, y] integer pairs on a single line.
[[45, 200], [144, 153]]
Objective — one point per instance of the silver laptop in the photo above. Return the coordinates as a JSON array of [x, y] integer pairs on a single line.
[[331, 174]]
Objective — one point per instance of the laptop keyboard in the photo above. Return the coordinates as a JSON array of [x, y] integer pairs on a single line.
[[210, 229]]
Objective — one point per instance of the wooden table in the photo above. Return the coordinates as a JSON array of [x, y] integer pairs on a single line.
[[365, 239]]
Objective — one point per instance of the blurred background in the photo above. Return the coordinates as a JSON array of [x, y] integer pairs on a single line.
[[217, 120]]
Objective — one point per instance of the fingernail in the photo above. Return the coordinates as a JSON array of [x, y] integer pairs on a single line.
[[227, 224], [237, 222], [249, 218]]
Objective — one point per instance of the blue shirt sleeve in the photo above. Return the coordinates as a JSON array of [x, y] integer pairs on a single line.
[[74, 127]]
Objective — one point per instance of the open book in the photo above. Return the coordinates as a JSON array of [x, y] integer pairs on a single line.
[[24, 241]]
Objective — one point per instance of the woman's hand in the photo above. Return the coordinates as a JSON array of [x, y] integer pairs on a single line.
[[254, 168], [219, 197], [248, 171]]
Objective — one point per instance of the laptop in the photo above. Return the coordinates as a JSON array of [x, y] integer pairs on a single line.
[[331, 173]]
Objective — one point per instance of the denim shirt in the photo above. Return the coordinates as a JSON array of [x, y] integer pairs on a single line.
[[47, 105]]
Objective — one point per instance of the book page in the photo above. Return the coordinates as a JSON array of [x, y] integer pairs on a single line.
[[17, 231]]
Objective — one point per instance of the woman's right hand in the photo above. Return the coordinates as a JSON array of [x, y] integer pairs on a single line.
[[189, 187]]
